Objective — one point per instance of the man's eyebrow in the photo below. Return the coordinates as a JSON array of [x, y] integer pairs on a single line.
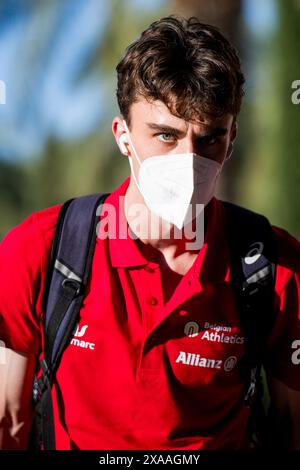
[[165, 128], [216, 131]]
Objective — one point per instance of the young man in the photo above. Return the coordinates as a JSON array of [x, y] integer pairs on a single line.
[[157, 364]]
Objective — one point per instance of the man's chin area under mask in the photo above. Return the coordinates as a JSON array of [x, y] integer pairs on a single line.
[[151, 228]]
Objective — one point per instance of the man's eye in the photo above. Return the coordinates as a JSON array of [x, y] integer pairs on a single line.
[[165, 137], [212, 141]]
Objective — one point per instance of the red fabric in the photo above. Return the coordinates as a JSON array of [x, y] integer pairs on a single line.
[[134, 377]]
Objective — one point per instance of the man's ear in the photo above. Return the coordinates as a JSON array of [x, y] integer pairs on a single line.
[[233, 131], [120, 134]]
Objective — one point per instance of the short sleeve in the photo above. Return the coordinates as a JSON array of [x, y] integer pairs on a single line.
[[283, 353], [24, 255]]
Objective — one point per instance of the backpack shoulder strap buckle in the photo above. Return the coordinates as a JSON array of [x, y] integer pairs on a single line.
[[251, 392]]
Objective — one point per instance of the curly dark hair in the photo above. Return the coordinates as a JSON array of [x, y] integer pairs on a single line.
[[189, 66]]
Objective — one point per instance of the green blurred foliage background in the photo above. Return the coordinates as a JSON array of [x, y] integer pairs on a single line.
[[263, 173]]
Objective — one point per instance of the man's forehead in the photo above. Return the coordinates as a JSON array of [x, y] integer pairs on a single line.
[[156, 111]]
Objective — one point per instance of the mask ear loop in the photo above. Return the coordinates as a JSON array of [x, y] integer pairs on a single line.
[[135, 153], [229, 151], [130, 141], [131, 166], [230, 146]]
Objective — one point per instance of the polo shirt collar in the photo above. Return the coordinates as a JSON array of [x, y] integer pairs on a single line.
[[123, 250], [212, 263]]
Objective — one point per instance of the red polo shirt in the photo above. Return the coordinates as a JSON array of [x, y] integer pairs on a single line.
[[146, 369]]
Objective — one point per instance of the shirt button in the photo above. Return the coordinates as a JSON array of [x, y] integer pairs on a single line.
[[183, 313], [148, 269], [152, 301]]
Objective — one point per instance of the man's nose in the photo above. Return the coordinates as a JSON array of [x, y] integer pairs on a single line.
[[188, 146]]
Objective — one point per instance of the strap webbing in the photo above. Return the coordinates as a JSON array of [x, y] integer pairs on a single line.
[[69, 269], [253, 264]]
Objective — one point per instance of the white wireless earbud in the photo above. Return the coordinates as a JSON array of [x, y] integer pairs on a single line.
[[122, 145]]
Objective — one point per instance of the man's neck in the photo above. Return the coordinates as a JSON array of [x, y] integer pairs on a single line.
[[156, 236]]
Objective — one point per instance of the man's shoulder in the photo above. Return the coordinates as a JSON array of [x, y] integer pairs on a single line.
[[287, 249], [40, 225], [36, 230], [286, 246]]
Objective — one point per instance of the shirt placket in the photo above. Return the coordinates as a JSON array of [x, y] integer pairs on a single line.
[[154, 312], [151, 301]]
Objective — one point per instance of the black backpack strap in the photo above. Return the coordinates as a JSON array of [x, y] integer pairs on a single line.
[[71, 259], [253, 266]]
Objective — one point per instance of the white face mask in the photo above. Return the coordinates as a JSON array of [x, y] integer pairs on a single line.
[[170, 183]]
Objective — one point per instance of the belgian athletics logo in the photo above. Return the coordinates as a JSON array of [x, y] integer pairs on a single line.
[[191, 329]]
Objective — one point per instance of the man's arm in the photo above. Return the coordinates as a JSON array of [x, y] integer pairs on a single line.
[[285, 404], [16, 410]]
